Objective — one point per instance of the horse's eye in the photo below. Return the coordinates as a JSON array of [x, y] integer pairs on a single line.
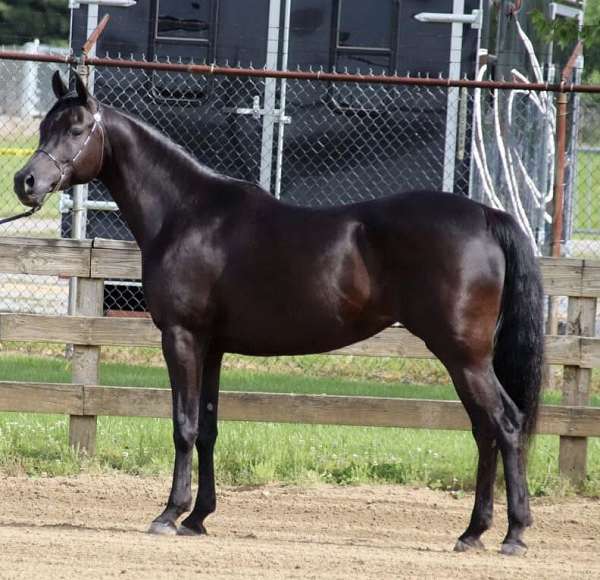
[[75, 131]]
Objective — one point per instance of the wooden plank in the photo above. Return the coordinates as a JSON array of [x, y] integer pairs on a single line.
[[45, 257], [127, 401], [590, 279], [116, 258], [122, 259], [574, 422], [581, 321], [109, 243], [116, 263], [336, 410], [566, 349], [82, 433], [395, 341], [27, 242], [41, 398], [562, 276], [400, 342], [332, 410], [107, 331], [85, 365], [572, 459], [83, 330], [26, 327]]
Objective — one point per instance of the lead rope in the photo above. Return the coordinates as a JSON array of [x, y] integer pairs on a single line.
[[20, 215]]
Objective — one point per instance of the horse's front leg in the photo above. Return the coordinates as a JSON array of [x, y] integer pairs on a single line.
[[205, 444], [184, 354]]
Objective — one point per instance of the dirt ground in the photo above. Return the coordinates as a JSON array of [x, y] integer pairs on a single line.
[[93, 526]]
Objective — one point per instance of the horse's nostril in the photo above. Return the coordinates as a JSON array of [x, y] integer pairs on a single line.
[[30, 181]]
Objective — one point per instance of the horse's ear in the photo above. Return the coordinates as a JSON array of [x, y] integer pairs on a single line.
[[58, 85], [81, 89]]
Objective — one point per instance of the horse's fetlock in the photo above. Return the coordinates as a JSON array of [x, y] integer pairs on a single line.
[[486, 519]]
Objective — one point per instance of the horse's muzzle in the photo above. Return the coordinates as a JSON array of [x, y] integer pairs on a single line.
[[28, 190]]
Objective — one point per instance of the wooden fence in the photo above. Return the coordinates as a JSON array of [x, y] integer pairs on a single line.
[[93, 261]]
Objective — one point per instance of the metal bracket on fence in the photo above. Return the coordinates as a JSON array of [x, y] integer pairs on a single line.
[[257, 112], [74, 4], [475, 19]]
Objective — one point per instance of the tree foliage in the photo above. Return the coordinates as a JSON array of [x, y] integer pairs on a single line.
[[565, 32], [25, 20]]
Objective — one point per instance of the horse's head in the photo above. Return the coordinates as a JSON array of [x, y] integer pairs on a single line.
[[71, 145]]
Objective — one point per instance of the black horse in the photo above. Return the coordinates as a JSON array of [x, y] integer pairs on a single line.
[[228, 268]]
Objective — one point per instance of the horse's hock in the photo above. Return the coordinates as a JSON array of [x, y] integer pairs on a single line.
[[93, 261]]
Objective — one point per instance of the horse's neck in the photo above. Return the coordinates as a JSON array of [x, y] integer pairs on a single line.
[[146, 176]]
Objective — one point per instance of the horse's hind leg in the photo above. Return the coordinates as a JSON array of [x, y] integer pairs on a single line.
[[497, 424], [515, 466], [483, 510]]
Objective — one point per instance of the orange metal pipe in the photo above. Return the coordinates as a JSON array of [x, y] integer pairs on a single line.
[[93, 38], [206, 69], [558, 200], [559, 179]]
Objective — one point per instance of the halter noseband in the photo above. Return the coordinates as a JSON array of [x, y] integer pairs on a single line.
[[62, 166]]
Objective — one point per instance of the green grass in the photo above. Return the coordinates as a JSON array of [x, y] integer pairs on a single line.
[[255, 453], [587, 209], [40, 369]]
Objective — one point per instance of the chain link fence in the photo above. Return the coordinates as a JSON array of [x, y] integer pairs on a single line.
[[25, 95], [317, 143], [586, 160]]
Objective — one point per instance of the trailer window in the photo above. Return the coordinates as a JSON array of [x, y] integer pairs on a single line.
[[363, 25], [365, 34], [185, 19], [184, 33]]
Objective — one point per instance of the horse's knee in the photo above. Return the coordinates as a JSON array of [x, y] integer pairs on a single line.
[[185, 434], [178, 341]]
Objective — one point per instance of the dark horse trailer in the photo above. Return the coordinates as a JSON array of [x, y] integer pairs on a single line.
[[339, 143]]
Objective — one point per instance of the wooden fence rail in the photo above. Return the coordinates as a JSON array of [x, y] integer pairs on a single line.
[[93, 400], [93, 261]]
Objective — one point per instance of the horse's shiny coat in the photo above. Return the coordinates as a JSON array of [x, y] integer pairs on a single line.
[[228, 268]]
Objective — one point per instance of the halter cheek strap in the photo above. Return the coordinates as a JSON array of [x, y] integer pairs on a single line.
[[62, 166], [58, 166]]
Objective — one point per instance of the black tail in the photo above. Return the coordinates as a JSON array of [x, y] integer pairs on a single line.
[[519, 351]]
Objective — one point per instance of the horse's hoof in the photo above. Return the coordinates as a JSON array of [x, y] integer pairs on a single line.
[[474, 545], [162, 529], [513, 549], [185, 531]]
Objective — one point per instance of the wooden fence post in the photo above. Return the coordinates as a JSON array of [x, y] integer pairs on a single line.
[[572, 458], [86, 363]]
